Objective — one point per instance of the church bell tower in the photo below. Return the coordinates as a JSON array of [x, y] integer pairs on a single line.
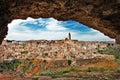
[[69, 36]]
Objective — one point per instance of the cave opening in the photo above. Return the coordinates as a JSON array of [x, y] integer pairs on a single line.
[[52, 29], [24, 60]]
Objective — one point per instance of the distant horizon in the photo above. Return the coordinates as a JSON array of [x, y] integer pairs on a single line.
[[56, 40], [52, 29]]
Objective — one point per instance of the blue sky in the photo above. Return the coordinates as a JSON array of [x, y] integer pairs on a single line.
[[52, 29]]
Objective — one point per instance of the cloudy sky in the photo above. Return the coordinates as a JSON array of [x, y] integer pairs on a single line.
[[52, 29]]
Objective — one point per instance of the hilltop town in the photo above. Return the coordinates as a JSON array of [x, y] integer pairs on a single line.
[[67, 49], [58, 59]]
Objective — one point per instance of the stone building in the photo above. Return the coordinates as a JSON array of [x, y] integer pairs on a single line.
[[69, 36]]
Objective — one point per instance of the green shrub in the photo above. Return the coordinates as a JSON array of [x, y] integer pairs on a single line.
[[113, 51], [63, 71], [91, 69], [88, 69], [69, 62], [24, 52], [35, 79], [9, 65], [73, 69], [55, 74], [102, 69], [118, 70]]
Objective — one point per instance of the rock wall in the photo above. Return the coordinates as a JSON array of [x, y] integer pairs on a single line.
[[103, 15]]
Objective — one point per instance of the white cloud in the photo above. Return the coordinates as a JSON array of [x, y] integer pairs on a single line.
[[54, 25], [88, 37], [20, 32], [54, 31]]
